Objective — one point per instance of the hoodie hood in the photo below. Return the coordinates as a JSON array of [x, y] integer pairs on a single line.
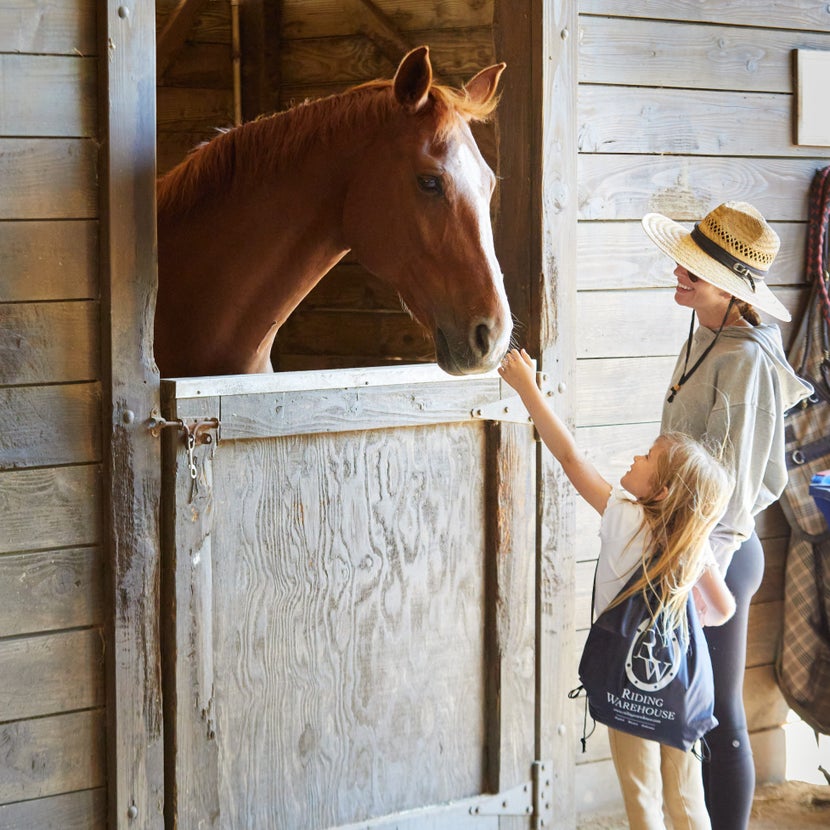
[[768, 337]]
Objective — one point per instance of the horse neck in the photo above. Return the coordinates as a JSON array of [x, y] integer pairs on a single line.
[[247, 254]]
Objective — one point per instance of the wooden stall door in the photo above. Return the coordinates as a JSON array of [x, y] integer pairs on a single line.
[[350, 572]]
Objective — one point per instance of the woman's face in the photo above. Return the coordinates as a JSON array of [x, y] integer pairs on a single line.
[[695, 293]]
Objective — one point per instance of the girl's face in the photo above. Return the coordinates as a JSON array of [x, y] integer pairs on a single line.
[[693, 292], [641, 475]]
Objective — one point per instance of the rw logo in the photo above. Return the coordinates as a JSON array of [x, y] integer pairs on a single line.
[[652, 661]]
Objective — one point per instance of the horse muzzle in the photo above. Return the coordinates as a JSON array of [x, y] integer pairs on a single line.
[[477, 349]]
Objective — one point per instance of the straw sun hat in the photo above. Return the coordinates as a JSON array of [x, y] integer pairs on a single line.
[[732, 248]]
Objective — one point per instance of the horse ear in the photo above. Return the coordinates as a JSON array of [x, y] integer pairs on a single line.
[[482, 87], [413, 79]]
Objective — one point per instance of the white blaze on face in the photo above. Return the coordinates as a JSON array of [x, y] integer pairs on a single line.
[[473, 180]]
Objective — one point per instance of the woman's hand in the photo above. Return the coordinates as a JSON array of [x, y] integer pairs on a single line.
[[518, 370]]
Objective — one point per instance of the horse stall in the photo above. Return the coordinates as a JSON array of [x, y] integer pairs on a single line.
[[348, 593]]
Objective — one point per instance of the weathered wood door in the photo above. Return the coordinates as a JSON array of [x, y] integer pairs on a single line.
[[350, 576]]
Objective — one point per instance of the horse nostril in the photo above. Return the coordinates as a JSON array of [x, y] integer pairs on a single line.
[[482, 338]]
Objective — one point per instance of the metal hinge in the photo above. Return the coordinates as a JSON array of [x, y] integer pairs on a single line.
[[533, 798], [510, 409]]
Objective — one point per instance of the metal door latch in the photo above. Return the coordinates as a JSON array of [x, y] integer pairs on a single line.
[[195, 432]]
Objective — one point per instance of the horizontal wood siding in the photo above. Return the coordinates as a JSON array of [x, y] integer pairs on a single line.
[[681, 105], [195, 92], [52, 703]]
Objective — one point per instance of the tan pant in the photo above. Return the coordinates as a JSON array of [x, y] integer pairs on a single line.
[[651, 774]]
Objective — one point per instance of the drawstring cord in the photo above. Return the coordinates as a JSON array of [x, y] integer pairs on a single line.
[[686, 375]]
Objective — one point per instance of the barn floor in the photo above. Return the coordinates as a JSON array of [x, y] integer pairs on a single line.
[[793, 805]]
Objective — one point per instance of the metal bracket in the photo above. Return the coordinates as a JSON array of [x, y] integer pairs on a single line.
[[517, 801], [533, 798], [508, 409]]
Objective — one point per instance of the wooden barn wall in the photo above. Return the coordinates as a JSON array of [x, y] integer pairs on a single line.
[[681, 105], [194, 85], [52, 701]]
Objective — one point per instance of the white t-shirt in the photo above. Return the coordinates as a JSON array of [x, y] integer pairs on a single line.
[[621, 547]]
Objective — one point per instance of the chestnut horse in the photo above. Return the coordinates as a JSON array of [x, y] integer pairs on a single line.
[[251, 221]]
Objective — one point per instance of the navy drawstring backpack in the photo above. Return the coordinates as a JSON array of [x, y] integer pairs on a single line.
[[639, 681]]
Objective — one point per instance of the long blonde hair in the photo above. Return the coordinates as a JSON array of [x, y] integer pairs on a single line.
[[691, 489]]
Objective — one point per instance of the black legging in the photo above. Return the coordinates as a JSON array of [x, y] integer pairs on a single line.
[[729, 775]]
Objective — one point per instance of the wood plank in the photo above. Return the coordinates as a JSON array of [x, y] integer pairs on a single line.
[[51, 673], [48, 178], [46, 95], [48, 261], [783, 14], [82, 810], [764, 704], [686, 187], [48, 342], [135, 746], [379, 28], [367, 333], [597, 788], [45, 27], [775, 555], [304, 363], [50, 508], [669, 54], [764, 632], [616, 326], [510, 625], [50, 590], [615, 119], [456, 55], [327, 19], [260, 23], [621, 390], [550, 45], [349, 286], [213, 25], [187, 109], [224, 385], [53, 425], [206, 65], [174, 32], [52, 755], [620, 255], [325, 411]]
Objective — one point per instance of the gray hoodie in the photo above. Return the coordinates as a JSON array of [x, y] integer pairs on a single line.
[[738, 396]]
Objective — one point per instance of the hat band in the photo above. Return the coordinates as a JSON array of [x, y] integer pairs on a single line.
[[725, 258]]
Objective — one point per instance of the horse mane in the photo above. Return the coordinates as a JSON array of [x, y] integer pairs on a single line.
[[274, 141]]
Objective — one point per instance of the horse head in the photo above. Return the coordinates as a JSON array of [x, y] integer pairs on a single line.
[[417, 214]]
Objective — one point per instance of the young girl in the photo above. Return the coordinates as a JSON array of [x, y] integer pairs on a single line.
[[671, 499]]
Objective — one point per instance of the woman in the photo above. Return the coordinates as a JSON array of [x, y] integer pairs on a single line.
[[731, 383]]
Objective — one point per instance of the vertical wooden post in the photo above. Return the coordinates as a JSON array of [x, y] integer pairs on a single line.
[[259, 22], [555, 24], [128, 284], [537, 250]]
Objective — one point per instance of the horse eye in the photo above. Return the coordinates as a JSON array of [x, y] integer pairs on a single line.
[[431, 185]]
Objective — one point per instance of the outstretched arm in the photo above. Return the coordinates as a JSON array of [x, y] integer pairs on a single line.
[[517, 369]]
